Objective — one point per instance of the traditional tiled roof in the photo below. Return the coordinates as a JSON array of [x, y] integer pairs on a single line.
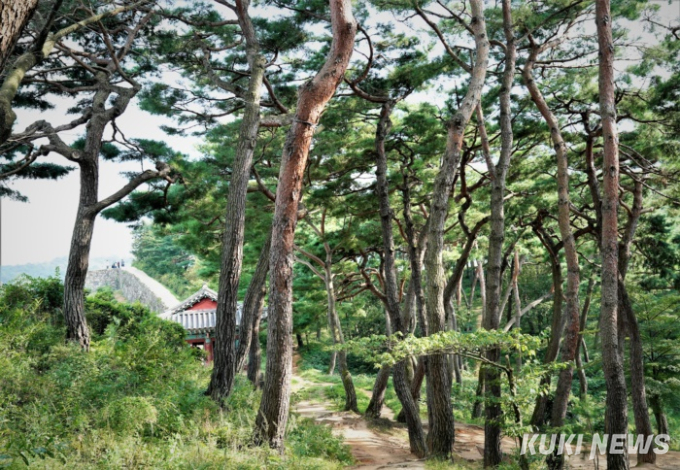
[[204, 292], [198, 321]]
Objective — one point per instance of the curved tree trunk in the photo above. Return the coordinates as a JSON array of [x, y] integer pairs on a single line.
[[492, 317], [253, 303], [79, 255], [572, 314], [616, 417], [98, 116], [419, 373], [14, 16], [643, 424], [374, 408], [583, 380], [254, 352], [441, 435], [79, 260], [224, 369], [89, 206], [334, 325], [478, 405], [540, 414], [339, 339], [272, 416], [416, 245], [454, 286], [333, 362], [348, 384], [400, 379], [416, 375], [659, 415]]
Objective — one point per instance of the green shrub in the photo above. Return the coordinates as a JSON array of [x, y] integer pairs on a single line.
[[136, 400], [309, 439]]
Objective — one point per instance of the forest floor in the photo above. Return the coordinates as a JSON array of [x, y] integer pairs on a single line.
[[383, 443], [376, 444]]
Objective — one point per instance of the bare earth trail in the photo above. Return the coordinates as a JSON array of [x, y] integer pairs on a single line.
[[383, 444], [372, 447]]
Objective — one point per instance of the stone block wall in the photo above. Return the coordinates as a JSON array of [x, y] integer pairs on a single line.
[[133, 286]]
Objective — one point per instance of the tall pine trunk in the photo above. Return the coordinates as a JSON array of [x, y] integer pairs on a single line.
[[659, 415], [616, 416], [493, 412], [643, 424], [493, 283], [339, 339], [583, 380], [572, 313], [540, 415], [374, 408], [255, 352], [441, 435], [79, 256], [88, 209], [224, 369], [402, 385], [98, 116], [253, 303], [454, 286], [272, 415]]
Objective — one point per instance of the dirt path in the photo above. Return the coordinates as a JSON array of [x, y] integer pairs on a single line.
[[383, 444], [379, 445], [373, 447]]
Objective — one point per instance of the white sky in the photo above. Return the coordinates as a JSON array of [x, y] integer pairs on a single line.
[[40, 230]]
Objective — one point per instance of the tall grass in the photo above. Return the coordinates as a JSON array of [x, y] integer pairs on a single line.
[[136, 400]]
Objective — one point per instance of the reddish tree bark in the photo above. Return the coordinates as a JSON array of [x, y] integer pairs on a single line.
[[616, 417], [643, 423], [272, 415]]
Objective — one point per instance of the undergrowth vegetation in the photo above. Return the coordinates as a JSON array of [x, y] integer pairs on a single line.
[[136, 400]]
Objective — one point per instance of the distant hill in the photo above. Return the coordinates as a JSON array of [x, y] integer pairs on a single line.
[[48, 268]]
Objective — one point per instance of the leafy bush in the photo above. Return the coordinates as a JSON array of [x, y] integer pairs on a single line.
[[136, 400], [309, 439], [318, 356]]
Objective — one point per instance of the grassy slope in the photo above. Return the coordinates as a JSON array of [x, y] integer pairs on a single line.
[[134, 401]]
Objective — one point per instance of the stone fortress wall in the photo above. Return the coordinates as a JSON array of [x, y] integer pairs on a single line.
[[134, 285]]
